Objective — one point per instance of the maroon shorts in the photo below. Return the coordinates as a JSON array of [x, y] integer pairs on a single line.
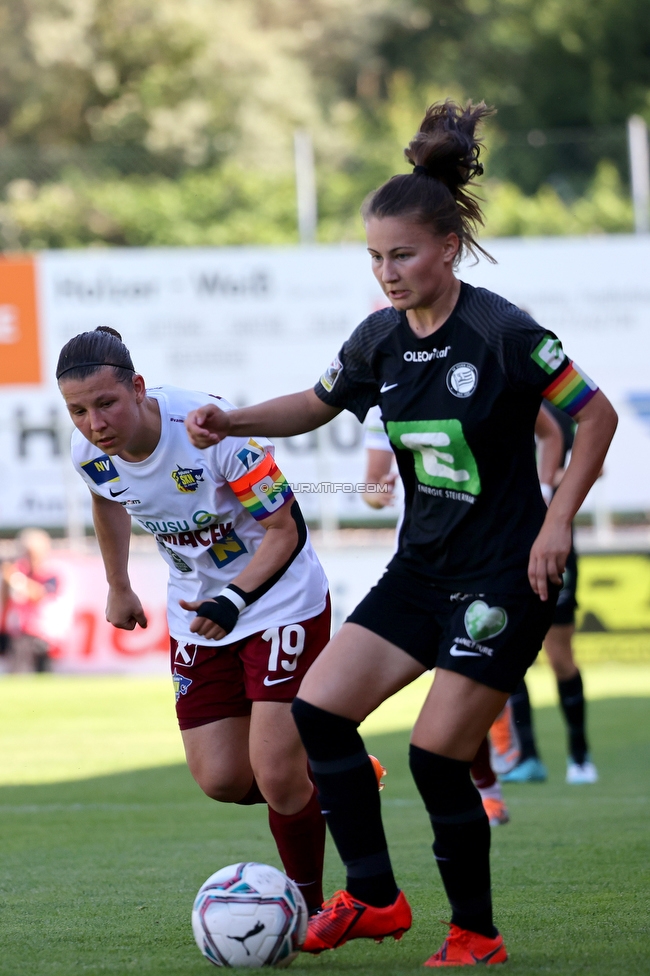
[[221, 682]]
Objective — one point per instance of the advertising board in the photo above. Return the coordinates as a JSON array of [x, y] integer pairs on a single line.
[[252, 323]]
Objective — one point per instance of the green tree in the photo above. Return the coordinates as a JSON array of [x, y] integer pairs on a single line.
[[171, 121], [575, 64]]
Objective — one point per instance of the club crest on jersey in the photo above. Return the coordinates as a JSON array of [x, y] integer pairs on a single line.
[[250, 455], [101, 470], [331, 374], [181, 684], [462, 379], [187, 479]]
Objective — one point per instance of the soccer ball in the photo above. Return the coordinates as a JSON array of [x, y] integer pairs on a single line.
[[249, 915]]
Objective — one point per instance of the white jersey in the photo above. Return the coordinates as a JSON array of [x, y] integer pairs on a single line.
[[205, 509], [375, 437]]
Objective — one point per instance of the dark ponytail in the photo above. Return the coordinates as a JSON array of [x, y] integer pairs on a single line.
[[89, 352], [445, 155]]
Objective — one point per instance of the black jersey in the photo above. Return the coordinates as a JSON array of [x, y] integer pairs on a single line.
[[459, 407]]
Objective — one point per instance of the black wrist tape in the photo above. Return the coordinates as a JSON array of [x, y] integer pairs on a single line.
[[221, 611]]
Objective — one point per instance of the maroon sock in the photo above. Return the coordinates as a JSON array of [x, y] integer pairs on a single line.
[[253, 796], [300, 838], [482, 772]]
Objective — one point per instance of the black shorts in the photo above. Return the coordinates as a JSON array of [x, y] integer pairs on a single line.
[[492, 638], [565, 609]]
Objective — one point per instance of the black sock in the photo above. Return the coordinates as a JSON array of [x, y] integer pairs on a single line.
[[462, 837], [572, 700], [524, 721], [349, 799]]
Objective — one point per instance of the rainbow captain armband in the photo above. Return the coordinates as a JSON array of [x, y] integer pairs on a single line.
[[263, 489], [571, 390]]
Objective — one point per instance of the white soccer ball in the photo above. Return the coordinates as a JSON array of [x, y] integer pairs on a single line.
[[249, 915]]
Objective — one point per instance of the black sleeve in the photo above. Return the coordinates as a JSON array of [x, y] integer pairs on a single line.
[[529, 355], [350, 382]]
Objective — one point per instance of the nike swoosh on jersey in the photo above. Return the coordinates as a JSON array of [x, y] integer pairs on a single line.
[[275, 681], [386, 387], [456, 652], [114, 494]]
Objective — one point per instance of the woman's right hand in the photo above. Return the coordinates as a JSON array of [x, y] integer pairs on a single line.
[[207, 426], [386, 495], [123, 608]]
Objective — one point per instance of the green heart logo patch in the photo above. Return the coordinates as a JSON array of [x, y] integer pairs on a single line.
[[483, 622]]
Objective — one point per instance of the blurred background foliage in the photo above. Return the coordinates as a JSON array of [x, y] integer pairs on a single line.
[[144, 122]]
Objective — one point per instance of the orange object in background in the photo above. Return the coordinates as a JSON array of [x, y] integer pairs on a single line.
[[20, 352]]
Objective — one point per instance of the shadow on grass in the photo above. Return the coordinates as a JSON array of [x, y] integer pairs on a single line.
[[99, 875]]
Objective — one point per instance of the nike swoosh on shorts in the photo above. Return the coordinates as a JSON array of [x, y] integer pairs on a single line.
[[275, 681], [385, 388], [456, 652], [114, 494]]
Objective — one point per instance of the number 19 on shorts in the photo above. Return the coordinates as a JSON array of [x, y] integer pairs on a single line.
[[290, 641]]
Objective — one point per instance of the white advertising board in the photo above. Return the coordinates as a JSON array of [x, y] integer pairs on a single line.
[[246, 323], [250, 323], [594, 293]]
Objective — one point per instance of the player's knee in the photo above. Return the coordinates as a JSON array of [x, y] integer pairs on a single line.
[[281, 784], [325, 735], [223, 792], [444, 784], [221, 785]]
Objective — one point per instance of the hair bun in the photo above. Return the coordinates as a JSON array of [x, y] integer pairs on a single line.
[[446, 145], [444, 154], [107, 329]]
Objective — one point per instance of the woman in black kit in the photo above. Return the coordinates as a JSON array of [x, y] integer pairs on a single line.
[[460, 374]]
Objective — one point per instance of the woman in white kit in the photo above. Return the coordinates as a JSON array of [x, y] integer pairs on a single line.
[[248, 607]]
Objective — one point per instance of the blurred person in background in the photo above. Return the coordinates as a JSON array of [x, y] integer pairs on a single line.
[[28, 587]]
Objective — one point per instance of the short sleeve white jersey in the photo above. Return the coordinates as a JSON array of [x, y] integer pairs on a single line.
[[206, 509], [375, 437]]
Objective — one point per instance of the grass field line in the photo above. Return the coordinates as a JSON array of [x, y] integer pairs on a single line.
[[57, 728], [521, 801], [88, 807], [99, 875], [48, 808]]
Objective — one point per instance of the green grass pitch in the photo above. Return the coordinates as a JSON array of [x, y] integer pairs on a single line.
[[99, 871]]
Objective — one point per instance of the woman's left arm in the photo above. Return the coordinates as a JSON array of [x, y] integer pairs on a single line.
[[596, 425]]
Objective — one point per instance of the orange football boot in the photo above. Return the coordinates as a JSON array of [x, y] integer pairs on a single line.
[[497, 811], [343, 918], [380, 771], [505, 749], [465, 948]]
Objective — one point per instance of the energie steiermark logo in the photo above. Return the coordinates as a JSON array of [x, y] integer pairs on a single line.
[[549, 354], [483, 622], [442, 456]]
